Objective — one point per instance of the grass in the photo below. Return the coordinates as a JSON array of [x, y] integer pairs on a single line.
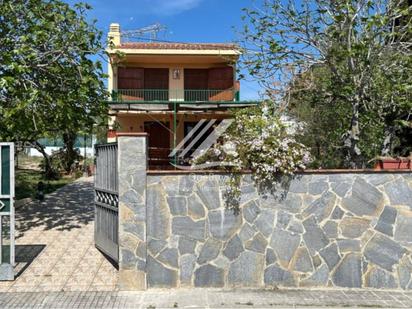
[[29, 174], [26, 162], [27, 180]]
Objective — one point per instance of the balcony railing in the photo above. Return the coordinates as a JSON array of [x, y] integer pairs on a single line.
[[175, 95]]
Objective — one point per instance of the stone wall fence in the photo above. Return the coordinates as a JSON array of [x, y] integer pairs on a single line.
[[331, 229]]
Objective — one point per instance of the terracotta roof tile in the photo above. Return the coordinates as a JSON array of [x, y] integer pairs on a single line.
[[184, 46]]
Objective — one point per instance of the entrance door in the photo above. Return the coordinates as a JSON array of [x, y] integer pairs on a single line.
[[159, 144]]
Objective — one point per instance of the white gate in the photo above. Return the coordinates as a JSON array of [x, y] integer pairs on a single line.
[[6, 211]]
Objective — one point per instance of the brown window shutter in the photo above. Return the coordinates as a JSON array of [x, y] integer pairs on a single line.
[[196, 79], [156, 79], [221, 79], [133, 80], [130, 78]]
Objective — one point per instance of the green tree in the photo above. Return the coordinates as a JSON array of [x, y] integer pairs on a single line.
[[50, 84], [325, 117], [360, 46]]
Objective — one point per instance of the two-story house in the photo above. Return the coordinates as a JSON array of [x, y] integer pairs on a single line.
[[166, 89]]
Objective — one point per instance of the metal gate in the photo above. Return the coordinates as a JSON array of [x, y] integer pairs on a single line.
[[106, 229], [6, 211]]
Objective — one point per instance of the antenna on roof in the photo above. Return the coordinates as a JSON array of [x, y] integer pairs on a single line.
[[149, 33]]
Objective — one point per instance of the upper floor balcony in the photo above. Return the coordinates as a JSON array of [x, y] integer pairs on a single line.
[[165, 76], [175, 95], [136, 87]]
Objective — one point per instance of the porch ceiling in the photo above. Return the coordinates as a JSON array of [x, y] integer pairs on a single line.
[[181, 107]]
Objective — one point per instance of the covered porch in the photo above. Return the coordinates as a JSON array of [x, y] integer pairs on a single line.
[[166, 130]]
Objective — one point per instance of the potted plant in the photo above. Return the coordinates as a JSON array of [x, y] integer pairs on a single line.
[[391, 163]]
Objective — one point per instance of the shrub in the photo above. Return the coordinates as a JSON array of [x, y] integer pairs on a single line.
[[261, 141]]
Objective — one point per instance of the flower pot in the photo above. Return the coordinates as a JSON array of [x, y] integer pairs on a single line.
[[393, 164], [111, 134]]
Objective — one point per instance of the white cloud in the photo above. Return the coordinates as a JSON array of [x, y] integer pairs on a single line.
[[171, 7]]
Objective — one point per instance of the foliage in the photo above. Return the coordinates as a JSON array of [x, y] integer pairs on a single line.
[[352, 57], [325, 119], [261, 141], [393, 90], [50, 84], [58, 161], [27, 181]]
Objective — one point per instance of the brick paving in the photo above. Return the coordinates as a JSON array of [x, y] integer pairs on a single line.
[[54, 245], [210, 298]]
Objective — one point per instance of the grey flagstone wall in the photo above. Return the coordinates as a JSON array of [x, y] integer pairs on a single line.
[[337, 230], [329, 230]]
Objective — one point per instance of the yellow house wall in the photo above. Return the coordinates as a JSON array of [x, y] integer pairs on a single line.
[[177, 84]]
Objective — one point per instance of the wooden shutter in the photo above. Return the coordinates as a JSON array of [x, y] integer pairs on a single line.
[[156, 79], [221, 79], [196, 82], [130, 82], [196, 79], [156, 84], [130, 78]]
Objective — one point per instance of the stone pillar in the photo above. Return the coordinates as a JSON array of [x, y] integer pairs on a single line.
[[132, 164]]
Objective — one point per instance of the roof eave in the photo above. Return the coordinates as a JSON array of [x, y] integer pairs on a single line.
[[176, 52]]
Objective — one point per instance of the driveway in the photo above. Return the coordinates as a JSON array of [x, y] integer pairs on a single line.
[[55, 247]]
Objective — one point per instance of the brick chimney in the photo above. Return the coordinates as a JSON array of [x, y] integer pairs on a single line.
[[114, 34]]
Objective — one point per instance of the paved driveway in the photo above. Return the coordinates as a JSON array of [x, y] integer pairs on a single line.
[[55, 247]]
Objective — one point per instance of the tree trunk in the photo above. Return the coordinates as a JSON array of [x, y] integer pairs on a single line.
[[49, 173], [69, 139], [388, 141], [353, 156]]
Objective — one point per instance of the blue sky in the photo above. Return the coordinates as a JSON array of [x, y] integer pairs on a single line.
[[186, 20]]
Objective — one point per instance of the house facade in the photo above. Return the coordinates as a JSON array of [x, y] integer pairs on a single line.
[[166, 89]]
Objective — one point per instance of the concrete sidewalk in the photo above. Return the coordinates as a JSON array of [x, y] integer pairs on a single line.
[[210, 298]]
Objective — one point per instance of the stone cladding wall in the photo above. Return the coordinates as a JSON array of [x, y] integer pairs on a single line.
[[329, 230], [132, 165]]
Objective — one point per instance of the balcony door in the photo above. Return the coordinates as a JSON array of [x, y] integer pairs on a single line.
[[156, 84]]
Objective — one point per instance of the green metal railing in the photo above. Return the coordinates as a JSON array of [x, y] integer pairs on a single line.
[[175, 95]]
